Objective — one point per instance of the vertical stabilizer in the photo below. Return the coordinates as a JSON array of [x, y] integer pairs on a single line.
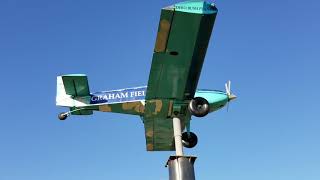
[[62, 98]]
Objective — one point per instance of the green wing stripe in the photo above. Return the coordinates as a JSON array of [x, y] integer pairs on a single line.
[[76, 85]]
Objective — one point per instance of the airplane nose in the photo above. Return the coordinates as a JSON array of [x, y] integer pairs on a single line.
[[232, 97]]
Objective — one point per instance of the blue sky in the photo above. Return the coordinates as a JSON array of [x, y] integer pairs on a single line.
[[269, 49]]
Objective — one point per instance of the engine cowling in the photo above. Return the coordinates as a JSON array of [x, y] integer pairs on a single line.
[[199, 107]]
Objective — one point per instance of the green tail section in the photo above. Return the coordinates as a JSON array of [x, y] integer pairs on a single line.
[[76, 84]]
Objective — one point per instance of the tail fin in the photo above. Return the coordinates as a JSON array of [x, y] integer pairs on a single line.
[[73, 92], [62, 98]]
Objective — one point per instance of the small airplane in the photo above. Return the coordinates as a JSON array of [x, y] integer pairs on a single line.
[[182, 40]]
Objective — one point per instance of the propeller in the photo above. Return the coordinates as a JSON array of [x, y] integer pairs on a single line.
[[228, 88], [229, 94], [228, 91]]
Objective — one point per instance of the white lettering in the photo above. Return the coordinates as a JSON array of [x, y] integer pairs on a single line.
[[124, 95], [100, 98], [119, 95], [94, 98], [111, 96]]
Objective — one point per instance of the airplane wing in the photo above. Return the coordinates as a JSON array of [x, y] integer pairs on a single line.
[[183, 36]]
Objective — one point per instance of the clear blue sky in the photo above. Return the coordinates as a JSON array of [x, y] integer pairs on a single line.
[[269, 49]]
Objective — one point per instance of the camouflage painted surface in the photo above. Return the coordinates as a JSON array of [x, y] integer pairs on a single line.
[[180, 48], [134, 108], [181, 45]]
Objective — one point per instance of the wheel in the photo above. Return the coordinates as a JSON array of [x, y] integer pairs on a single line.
[[199, 107], [62, 116], [189, 140]]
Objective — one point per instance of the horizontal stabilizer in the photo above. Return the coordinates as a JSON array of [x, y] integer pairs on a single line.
[[75, 111], [76, 85]]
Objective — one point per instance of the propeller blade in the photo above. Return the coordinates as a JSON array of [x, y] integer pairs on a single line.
[[227, 89], [228, 106], [229, 94]]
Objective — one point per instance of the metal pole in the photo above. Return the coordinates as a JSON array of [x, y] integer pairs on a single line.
[[177, 136], [180, 166]]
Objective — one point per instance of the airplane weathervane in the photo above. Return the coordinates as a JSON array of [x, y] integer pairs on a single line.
[[183, 35]]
